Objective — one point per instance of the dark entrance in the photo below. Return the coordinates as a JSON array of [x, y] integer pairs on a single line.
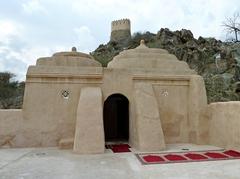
[[116, 118]]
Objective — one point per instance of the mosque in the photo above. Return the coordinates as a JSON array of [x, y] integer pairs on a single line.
[[145, 97]]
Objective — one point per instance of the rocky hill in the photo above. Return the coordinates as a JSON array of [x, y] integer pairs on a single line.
[[216, 61]]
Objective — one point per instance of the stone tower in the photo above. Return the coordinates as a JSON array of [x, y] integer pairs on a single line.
[[120, 30]]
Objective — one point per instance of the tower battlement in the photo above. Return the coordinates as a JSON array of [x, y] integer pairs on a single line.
[[120, 29], [122, 24]]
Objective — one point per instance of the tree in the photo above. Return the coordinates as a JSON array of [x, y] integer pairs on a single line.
[[8, 89], [232, 25]]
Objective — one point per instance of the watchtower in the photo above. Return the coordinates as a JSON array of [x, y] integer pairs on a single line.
[[120, 30]]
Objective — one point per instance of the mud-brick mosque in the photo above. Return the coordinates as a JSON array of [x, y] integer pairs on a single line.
[[145, 96]]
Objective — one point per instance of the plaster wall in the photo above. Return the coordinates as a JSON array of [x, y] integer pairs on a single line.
[[224, 124], [148, 122], [89, 133], [165, 98], [10, 127], [120, 81], [48, 117], [173, 100]]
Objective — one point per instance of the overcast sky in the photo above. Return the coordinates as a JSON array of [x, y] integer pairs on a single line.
[[30, 29]]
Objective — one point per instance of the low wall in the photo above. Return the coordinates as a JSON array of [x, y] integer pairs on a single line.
[[224, 124], [220, 126], [10, 126]]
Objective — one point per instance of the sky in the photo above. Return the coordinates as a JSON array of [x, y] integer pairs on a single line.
[[30, 29]]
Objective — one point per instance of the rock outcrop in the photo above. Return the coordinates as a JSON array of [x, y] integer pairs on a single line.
[[218, 62]]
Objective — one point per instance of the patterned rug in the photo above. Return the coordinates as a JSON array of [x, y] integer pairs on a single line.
[[181, 157]]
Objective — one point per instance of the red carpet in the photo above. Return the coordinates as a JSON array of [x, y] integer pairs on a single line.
[[215, 155], [195, 156], [153, 158], [232, 153], [119, 148], [181, 157], [174, 157]]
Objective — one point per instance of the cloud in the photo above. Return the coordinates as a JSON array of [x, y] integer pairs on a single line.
[[9, 30], [18, 61], [11, 61], [203, 17], [85, 40], [33, 6], [30, 29]]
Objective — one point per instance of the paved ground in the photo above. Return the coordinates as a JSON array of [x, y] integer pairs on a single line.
[[58, 164]]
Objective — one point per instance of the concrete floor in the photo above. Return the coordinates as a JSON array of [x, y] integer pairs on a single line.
[[42, 163]]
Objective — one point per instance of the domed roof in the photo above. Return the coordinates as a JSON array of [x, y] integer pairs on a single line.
[[72, 58], [147, 58]]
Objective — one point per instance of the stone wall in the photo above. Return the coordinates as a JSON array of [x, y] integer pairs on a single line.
[[120, 35], [120, 30], [123, 24]]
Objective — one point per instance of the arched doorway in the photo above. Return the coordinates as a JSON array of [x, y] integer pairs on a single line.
[[116, 118]]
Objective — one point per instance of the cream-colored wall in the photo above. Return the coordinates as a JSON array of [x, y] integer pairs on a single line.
[[148, 122], [89, 132], [197, 105], [49, 118], [173, 107], [224, 124], [120, 81], [175, 99], [181, 98], [10, 127]]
